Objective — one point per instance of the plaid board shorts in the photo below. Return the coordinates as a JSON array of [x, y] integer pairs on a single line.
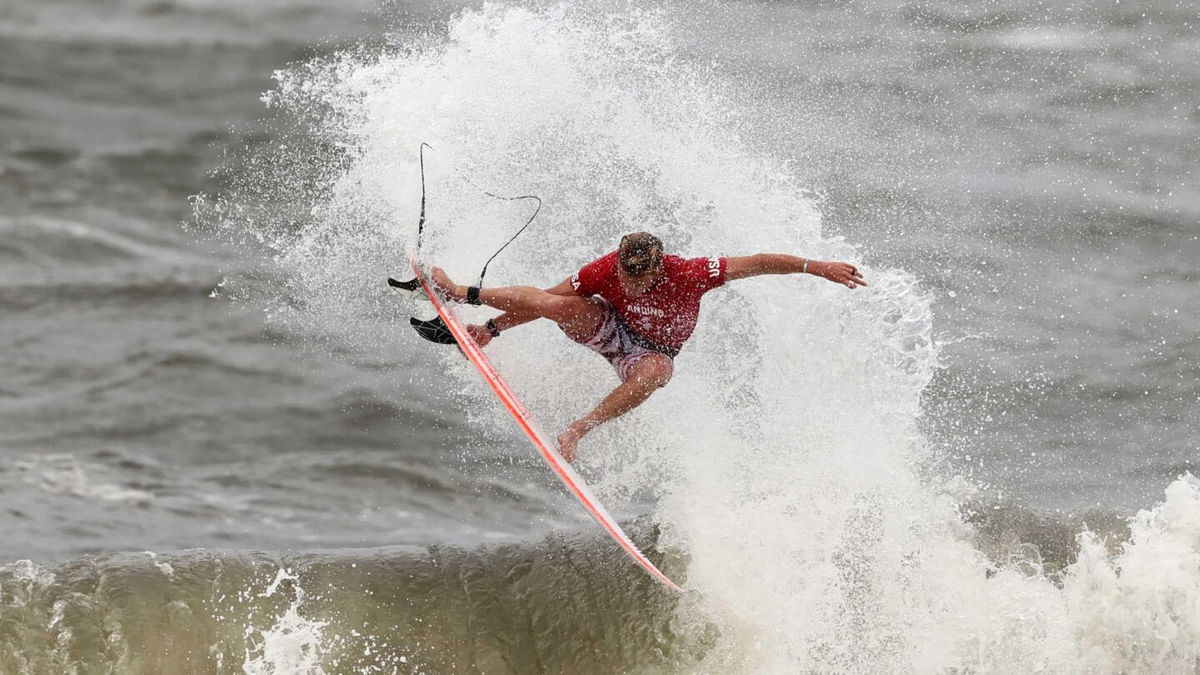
[[613, 341]]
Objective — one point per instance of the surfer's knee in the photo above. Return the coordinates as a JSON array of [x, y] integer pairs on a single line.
[[654, 370]]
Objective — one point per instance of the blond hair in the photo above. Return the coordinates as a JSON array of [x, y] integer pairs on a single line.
[[640, 252]]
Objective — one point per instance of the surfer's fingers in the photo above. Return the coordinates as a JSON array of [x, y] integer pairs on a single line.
[[850, 276]]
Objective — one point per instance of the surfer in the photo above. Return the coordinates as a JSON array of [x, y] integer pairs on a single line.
[[635, 307]]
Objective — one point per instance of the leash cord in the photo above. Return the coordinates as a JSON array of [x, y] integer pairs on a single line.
[[461, 175]]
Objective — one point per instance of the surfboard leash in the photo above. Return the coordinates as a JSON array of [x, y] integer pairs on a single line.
[[436, 330]]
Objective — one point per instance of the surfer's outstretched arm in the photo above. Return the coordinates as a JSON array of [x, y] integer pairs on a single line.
[[742, 267]]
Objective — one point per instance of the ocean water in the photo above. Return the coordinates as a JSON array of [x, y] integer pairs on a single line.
[[225, 451]]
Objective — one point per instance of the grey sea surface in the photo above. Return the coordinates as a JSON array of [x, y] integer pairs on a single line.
[[1035, 163], [1032, 164]]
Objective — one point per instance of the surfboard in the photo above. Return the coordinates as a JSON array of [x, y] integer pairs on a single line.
[[541, 442]]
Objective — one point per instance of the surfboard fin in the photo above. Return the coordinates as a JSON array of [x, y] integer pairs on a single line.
[[434, 331], [410, 285]]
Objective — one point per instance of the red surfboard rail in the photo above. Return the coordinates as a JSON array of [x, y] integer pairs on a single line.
[[525, 421]]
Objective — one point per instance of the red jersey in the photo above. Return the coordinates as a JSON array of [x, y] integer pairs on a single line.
[[666, 313]]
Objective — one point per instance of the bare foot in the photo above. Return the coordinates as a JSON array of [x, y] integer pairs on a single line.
[[568, 441], [446, 285]]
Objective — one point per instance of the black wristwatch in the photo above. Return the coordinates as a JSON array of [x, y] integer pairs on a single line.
[[491, 326]]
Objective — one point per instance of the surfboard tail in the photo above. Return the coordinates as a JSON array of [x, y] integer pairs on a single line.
[[434, 330]]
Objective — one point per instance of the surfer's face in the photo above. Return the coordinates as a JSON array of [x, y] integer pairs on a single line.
[[635, 285]]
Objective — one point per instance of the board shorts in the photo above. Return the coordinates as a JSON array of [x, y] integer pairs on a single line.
[[615, 343]]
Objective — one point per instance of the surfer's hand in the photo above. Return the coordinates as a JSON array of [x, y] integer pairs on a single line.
[[480, 334], [838, 272]]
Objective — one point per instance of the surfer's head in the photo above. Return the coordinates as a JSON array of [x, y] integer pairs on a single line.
[[639, 260], [640, 253]]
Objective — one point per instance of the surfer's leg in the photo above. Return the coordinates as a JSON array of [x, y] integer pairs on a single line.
[[578, 317], [645, 377]]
